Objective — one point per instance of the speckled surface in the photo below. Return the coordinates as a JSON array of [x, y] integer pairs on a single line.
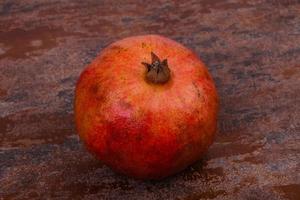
[[252, 49]]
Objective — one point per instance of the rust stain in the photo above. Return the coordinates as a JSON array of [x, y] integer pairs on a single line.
[[81, 188], [3, 93], [46, 128], [21, 43], [5, 125], [233, 149], [205, 175], [288, 73], [209, 5], [251, 159], [25, 142], [106, 27], [291, 192], [208, 194], [244, 182], [49, 11], [227, 137], [70, 10]]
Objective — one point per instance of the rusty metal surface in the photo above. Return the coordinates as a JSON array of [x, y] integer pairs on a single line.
[[252, 49]]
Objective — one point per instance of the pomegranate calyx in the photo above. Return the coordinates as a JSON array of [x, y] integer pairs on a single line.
[[158, 71]]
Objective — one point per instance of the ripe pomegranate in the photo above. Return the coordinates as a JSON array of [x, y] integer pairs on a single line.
[[146, 107]]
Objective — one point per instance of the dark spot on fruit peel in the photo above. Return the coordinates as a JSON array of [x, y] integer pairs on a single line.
[[117, 48], [119, 129], [139, 137], [94, 89], [97, 93], [144, 45], [197, 90], [117, 135], [125, 105]]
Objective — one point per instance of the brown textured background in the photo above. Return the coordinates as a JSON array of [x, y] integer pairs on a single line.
[[252, 49]]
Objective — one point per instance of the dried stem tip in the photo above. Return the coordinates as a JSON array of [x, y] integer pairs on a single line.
[[158, 71]]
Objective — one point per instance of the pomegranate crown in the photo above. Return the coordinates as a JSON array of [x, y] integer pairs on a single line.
[[158, 71]]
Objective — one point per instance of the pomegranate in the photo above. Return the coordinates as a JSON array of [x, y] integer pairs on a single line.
[[146, 107]]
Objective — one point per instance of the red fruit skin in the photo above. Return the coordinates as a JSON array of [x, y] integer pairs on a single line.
[[144, 130]]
